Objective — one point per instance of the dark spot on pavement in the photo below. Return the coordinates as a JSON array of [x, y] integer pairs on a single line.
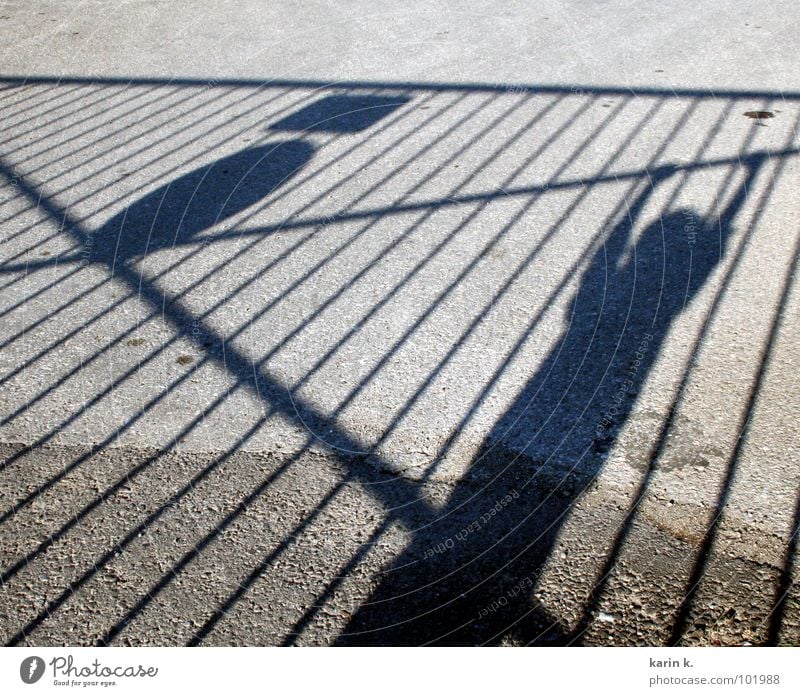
[[135, 341], [185, 360]]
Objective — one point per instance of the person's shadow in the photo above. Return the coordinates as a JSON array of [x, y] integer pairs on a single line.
[[469, 574]]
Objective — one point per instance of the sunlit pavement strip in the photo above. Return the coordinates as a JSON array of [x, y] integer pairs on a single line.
[[465, 331]]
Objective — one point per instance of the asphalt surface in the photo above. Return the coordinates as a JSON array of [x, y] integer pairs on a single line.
[[335, 325]]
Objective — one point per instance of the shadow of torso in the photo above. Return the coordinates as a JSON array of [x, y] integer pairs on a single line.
[[469, 575]]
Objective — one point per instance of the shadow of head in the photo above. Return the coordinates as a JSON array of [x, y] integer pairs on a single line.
[[648, 278], [178, 211]]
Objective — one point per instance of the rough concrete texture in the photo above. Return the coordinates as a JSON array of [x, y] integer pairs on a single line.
[[364, 324]]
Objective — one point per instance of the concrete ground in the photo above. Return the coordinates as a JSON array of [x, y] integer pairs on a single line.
[[357, 323]]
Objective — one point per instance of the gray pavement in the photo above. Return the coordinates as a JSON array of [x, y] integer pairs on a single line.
[[366, 324]]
